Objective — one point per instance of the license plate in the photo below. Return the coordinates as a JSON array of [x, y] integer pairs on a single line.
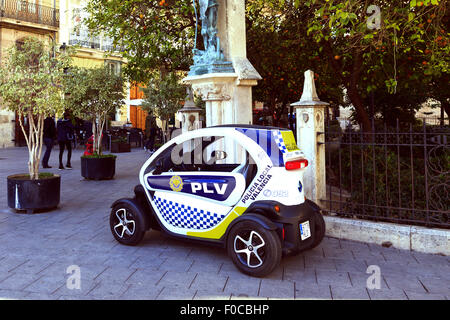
[[305, 231]]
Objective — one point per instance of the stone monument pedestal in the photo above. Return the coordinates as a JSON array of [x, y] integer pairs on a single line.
[[228, 99], [228, 94]]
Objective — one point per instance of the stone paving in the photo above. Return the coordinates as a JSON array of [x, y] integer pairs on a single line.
[[36, 251]]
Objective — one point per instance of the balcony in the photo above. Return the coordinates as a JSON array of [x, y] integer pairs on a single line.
[[84, 39], [85, 42], [29, 12]]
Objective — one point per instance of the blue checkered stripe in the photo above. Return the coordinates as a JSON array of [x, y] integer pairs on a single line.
[[279, 141], [187, 217]]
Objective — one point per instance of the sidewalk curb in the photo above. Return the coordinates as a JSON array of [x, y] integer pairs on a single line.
[[420, 239]]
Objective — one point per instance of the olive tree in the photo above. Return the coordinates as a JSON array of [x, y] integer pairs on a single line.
[[93, 94], [164, 94], [31, 86]]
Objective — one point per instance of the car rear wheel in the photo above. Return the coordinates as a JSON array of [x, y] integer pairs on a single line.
[[254, 250], [127, 224]]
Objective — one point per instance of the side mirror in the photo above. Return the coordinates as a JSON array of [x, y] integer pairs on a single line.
[[159, 164], [158, 167], [218, 155]]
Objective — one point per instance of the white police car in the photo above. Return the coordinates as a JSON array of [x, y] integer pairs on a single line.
[[237, 186]]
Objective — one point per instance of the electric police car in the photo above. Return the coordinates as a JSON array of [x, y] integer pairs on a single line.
[[239, 186]]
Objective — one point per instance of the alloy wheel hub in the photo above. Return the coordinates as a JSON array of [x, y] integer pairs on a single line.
[[127, 226], [250, 249]]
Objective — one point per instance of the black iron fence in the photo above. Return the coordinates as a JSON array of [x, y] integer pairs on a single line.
[[29, 12], [395, 174]]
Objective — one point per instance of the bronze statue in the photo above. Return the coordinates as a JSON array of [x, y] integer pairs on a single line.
[[208, 16], [211, 59]]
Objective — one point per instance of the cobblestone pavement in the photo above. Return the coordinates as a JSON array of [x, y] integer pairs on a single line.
[[36, 251]]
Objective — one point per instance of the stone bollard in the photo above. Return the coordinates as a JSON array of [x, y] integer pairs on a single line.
[[310, 118], [189, 117], [189, 114]]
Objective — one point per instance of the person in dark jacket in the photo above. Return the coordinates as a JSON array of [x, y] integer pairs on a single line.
[[49, 137], [150, 132], [65, 130]]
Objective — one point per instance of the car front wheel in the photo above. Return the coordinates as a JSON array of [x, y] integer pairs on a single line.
[[127, 224], [254, 250]]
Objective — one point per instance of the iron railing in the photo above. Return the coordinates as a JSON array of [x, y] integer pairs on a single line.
[[85, 42], [29, 12], [112, 48], [397, 174]]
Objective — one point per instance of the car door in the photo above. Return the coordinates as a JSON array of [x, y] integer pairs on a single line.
[[198, 186]]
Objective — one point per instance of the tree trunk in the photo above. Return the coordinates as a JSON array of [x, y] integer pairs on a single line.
[[361, 111], [97, 129], [354, 95], [34, 143], [445, 104], [351, 83], [94, 136]]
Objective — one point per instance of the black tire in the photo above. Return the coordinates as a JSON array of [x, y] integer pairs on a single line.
[[319, 230], [134, 222], [263, 248]]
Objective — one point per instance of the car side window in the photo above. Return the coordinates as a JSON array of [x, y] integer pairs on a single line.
[[213, 153], [223, 154], [163, 163]]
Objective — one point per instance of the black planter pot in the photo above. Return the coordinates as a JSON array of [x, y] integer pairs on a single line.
[[98, 168], [33, 195], [119, 147]]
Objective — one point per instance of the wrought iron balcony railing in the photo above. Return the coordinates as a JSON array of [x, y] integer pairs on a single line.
[[112, 48], [84, 42], [29, 12], [84, 39]]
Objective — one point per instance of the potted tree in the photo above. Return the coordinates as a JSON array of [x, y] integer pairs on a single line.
[[31, 80], [93, 94], [164, 96], [120, 144]]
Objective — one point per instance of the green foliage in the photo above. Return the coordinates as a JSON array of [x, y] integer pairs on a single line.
[[119, 140], [31, 79], [41, 176], [339, 40], [279, 49], [93, 94], [99, 156], [163, 95], [154, 33], [403, 53]]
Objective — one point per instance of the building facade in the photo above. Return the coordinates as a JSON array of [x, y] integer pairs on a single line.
[[59, 22], [21, 19], [92, 50]]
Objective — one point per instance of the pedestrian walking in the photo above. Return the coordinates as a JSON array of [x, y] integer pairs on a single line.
[[150, 132], [65, 130], [49, 138]]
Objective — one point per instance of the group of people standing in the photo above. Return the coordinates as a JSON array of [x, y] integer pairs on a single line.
[[64, 132]]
